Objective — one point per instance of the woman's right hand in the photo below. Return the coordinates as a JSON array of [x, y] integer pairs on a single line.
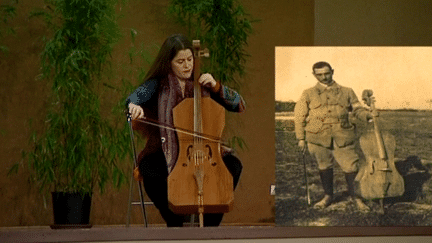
[[136, 111]]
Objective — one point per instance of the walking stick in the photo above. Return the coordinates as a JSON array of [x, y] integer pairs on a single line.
[[306, 177]]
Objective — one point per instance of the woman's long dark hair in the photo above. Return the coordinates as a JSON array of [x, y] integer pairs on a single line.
[[161, 67]]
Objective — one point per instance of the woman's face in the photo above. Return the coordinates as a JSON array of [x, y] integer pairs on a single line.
[[182, 64]]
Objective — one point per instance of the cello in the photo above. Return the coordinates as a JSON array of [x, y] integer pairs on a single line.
[[379, 179], [199, 181]]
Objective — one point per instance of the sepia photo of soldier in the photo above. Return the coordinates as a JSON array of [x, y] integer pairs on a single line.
[[322, 126], [352, 127]]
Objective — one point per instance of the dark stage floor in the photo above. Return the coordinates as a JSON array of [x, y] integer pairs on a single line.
[[140, 233]]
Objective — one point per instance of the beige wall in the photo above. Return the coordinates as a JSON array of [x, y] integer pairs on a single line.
[[364, 23], [23, 97]]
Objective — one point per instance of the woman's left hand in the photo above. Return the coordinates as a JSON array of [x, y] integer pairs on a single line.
[[207, 80]]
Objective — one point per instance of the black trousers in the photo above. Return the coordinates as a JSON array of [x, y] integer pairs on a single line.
[[155, 173]]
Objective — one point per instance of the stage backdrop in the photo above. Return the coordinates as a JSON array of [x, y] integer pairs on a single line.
[[24, 98]]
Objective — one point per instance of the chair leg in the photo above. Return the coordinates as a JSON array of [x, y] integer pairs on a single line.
[[129, 203], [142, 202], [129, 119]]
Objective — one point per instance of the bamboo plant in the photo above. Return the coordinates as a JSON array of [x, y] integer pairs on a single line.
[[79, 149], [223, 26], [8, 11]]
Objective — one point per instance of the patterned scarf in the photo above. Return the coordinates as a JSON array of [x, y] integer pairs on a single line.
[[168, 99]]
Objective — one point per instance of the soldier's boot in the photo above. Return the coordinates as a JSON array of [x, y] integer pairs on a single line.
[[361, 206], [327, 182]]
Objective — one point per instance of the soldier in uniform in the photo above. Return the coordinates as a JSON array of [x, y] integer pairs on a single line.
[[322, 126]]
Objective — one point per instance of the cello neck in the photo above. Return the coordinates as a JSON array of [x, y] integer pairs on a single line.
[[197, 88], [380, 143]]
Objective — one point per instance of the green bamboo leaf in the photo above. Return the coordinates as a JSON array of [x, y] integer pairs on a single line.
[[14, 169], [73, 152]]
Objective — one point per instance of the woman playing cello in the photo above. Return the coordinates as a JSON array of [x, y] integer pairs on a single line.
[[168, 82]]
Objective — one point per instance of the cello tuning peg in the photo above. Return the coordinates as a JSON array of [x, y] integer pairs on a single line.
[[196, 43], [367, 101], [367, 93], [205, 52], [367, 96]]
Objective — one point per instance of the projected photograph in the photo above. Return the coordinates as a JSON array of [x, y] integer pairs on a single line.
[[353, 136]]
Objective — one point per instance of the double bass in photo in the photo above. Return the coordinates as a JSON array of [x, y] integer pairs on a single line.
[[379, 178]]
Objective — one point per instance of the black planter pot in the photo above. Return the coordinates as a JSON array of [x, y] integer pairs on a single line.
[[71, 210]]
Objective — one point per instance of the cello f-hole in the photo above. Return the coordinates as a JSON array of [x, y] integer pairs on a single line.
[[209, 151], [210, 155], [372, 167], [188, 155]]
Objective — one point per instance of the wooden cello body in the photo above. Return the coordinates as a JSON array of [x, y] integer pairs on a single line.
[[379, 179], [200, 181]]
